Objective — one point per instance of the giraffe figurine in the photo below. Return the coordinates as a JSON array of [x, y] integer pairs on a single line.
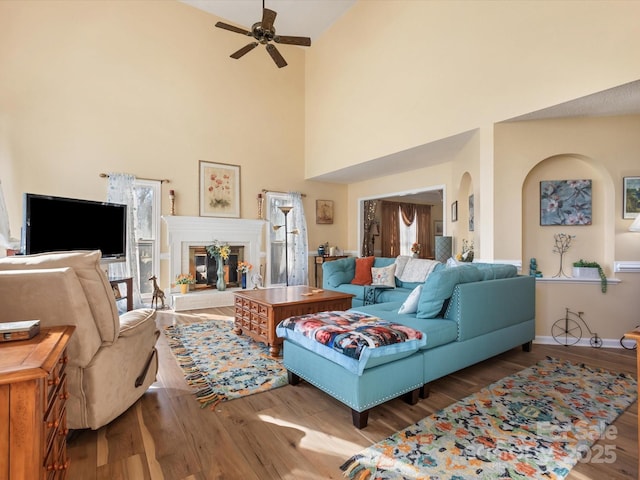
[[157, 293]]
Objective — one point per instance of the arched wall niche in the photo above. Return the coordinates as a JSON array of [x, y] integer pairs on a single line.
[[461, 227], [593, 242]]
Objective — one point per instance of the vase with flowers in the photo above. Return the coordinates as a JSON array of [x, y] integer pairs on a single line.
[[221, 252], [415, 249], [243, 270], [184, 280]]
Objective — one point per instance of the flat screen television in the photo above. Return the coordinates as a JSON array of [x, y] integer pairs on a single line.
[[54, 224]]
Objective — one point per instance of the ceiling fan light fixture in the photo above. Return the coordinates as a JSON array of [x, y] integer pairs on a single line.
[[264, 33]]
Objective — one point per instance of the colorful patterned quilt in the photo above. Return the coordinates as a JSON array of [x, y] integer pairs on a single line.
[[351, 333]]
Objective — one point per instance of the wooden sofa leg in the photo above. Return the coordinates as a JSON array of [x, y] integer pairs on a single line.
[[360, 419], [425, 390], [412, 397], [526, 347], [293, 378]]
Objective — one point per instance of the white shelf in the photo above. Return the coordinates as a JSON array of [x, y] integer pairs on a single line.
[[610, 281]]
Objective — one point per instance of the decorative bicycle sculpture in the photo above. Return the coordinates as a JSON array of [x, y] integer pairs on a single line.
[[567, 331]]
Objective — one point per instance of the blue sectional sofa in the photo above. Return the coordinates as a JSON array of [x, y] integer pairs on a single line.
[[467, 314]]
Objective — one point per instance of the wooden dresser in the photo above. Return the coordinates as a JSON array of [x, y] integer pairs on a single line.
[[33, 395]]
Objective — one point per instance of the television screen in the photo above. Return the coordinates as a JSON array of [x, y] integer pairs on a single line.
[[54, 224]]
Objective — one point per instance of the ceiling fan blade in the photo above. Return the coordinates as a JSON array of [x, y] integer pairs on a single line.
[[244, 50], [231, 28], [275, 54], [302, 41], [268, 17]]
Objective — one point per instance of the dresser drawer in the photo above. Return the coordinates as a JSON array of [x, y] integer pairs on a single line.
[[55, 377], [54, 422]]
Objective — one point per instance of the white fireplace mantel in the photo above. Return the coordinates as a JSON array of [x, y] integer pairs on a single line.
[[184, 231]]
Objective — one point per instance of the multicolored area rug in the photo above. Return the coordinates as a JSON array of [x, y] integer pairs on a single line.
[[221, 365], [537, 423]]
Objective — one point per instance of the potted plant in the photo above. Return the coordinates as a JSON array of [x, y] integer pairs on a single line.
[[184, 280], [584, 269]]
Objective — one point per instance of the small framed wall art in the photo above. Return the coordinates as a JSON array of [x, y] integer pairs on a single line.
[[631, 197], [437, 228], [219, 190], [324, 211], [454, 211], [565, 202]]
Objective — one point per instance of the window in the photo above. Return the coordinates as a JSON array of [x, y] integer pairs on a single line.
[[275, 238], [408, 235], [147, 232]]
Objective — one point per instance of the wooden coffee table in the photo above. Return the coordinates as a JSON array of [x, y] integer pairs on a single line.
[[258, 312]]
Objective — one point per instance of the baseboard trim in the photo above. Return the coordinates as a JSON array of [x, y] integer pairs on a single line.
[[583, 342]]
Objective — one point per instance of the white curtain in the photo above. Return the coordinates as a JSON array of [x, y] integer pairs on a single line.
[[299, 246], [121, 190]]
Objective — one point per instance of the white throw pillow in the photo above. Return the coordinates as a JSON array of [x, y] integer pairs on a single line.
[[384, 275], [410, 305]]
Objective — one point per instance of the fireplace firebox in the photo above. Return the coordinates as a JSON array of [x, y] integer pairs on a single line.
[[204, 268]]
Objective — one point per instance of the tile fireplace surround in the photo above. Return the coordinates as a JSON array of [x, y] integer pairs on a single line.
[[184, 232]]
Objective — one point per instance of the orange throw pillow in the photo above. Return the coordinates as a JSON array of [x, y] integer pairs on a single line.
[[363, 271]]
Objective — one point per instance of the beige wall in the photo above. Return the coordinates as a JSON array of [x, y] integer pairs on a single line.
[[147, 88], [601, 149], [392, 75]]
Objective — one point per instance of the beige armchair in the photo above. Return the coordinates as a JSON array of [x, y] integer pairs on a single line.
[[112, 358]]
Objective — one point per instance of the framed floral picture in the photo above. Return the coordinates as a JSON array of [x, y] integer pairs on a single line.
[[631, 200], [219, 190], [565, 202]]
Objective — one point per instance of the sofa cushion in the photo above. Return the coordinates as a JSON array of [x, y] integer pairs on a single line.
[[493, 271], [384, 275], [398, 294], [338, 272], [438, 331], [351, 339], [363, 271], [410, 305], [439, 287], [94, 283]]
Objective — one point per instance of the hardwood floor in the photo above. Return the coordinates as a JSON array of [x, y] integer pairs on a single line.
[[297, 432]]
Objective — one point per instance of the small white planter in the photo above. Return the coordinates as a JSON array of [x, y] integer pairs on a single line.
[[589, 273]]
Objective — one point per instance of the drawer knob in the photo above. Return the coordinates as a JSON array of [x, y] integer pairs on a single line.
[[53, 424], [53, 381], [63, 360]]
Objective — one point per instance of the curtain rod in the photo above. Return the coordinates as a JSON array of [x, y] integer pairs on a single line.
[[264, 190], [164, 180]]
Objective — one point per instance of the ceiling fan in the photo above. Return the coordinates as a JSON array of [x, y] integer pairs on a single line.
[[264, 33]]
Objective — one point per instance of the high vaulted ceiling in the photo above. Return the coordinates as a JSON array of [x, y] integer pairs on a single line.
[[307, 18], [311, 18]]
